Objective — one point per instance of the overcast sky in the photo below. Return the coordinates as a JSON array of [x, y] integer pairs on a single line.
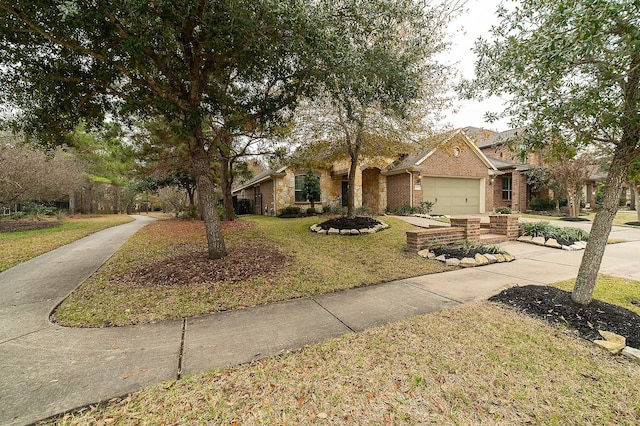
[[475, 22]]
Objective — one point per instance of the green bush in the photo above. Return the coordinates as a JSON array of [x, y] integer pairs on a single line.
[[544, 229], [243, 206], [426, 207], [503, 210], [311, 210], [290, 210], [188, 212], [327, 209], [363, 211], [542, 204], [405, 211]]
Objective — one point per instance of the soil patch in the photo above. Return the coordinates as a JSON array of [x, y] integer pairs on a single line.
[[555, 306], [632, 223], [191, 266], [359, 222]]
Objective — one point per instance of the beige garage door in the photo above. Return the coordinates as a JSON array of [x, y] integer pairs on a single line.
[[452, 195]]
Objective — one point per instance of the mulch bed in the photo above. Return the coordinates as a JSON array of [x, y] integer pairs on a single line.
[[555, 305], [574, 219], [191, 266], [632, 223], [457, 252], [359, 222]]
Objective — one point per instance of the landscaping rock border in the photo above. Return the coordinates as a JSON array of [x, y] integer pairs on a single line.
[[552, 242], [468, 262], [333, 231]]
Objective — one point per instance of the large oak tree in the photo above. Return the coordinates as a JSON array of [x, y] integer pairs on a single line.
[[62, 61], [571, 69]]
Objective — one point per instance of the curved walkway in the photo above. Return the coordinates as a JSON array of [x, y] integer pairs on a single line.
[[47, 369]]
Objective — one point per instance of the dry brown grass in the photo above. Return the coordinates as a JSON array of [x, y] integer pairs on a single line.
[[315, 264], [17, 247], [474, 364]]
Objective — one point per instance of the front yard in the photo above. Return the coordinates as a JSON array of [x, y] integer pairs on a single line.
[[162, 271], [479, 363]]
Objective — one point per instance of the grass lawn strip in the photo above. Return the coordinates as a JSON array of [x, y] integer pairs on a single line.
[[313, 264], [474, 364], [18, 247]]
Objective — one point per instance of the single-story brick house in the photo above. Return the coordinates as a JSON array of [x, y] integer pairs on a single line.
[[510, 188], [455, 175]]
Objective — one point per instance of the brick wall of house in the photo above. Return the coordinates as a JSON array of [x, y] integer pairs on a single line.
[[443, 163], [398, 191]]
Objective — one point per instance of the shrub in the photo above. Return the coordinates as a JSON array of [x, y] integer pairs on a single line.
[[426, 207], [405, 211], [363, 211], [544, 229], [503, 210], [243, 206], [290, 210], [188, 212], [311, 210], [542, 204]]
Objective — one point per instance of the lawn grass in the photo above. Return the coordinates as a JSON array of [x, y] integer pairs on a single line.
[[317, 264], [615, 290], [479, 363], [621, 218], [17, 247]]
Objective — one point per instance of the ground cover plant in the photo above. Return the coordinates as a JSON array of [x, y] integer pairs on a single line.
[[17, 247], [564, 235], [162, 271], [480, 363], [465, 249]]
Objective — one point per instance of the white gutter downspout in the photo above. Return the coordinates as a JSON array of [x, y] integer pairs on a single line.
[[410, 188]]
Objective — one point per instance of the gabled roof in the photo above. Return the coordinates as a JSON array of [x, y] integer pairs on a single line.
[[261, 177], [413, 161], [486, 138]]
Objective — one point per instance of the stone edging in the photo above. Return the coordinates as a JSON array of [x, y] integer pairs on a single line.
[[333, 231], [552, 242], [617, 344], [469, 262]]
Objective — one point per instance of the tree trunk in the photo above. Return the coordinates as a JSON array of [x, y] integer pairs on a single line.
[[592, 257], [351, 193], [226, 181], [72, 202], [116, 199], [206, 198], [637, 192]]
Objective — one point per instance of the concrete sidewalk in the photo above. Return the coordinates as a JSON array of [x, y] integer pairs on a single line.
[[47, 369]]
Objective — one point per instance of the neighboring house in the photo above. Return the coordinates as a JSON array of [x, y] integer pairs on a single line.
[[455, 175]]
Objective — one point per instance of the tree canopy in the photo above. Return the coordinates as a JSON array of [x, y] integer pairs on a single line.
[[571, 72], [382, 83]]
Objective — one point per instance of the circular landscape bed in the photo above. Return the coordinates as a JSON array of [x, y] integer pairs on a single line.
[[349, 226]]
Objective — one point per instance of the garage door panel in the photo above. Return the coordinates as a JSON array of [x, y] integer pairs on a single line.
[[452, 195]]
